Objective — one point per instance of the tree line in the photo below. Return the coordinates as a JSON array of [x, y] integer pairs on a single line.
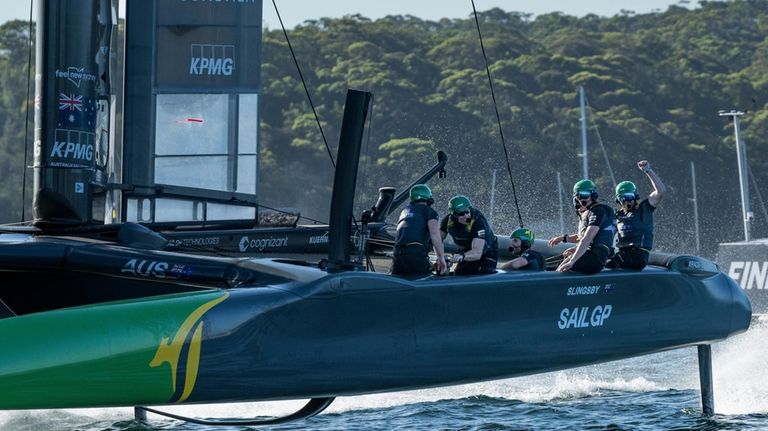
[[654, 84]]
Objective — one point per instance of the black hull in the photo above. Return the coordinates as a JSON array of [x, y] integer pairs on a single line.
[[287, 330]]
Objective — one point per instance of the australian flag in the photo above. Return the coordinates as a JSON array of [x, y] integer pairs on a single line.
[[76, 112]]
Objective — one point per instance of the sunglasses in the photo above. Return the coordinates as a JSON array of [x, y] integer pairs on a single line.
[[463, 213], [626, 197], [583, 194]]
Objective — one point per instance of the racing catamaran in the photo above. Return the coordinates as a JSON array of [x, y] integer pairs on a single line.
[[96, 310]]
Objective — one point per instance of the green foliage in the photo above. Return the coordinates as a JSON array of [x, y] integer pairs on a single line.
[[654, 83], [403, 151], [14, 51]]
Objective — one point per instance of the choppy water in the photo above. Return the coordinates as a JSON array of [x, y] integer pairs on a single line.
[[656, 392]]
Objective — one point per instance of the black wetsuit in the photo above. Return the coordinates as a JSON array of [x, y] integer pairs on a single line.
[[412, 241], [601, 248], [535, 260], [476, 227], [635, 236]]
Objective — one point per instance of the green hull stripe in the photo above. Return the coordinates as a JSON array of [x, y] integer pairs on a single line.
[[96, 355]]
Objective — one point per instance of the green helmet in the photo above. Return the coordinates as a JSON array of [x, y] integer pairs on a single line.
[[420, 192], [583, 186], [585, 189], [525, 235], [459, 204], [626, 190]]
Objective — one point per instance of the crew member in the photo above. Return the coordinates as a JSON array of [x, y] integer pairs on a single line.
[[527, 259], [472, 233], [635, 221], [417, 233], [597, 226]]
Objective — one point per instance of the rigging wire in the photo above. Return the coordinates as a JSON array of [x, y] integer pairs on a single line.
[[365, 232], [369, 132], [600, 141], [304, 83], [382, 242], [26, 114], [498, 117]]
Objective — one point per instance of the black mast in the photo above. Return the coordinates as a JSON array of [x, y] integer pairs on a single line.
[[356, 110], [70, 146]]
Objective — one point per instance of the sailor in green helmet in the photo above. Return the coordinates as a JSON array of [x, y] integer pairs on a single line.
[[527, 259], [597, 226], [472, 233], [635, 221], [418, 232]]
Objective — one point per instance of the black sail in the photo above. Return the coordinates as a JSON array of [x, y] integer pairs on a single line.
[[71, 109]]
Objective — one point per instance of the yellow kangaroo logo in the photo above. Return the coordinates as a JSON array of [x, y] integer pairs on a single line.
[[171, 351]]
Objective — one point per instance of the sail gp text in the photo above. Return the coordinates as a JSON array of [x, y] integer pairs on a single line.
[[583, 317]]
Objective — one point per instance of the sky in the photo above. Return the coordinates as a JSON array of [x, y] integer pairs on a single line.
[[296, 11]]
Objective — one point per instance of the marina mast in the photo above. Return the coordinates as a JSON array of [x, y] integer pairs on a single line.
[[741, 157], [585, 160]]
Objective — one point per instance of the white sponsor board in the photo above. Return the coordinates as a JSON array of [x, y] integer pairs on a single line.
[[749, 274]]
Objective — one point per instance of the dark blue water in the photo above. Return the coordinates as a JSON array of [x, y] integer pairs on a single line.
[[656, 392]]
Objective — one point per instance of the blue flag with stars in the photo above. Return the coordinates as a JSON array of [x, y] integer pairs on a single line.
[[76, 112]]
